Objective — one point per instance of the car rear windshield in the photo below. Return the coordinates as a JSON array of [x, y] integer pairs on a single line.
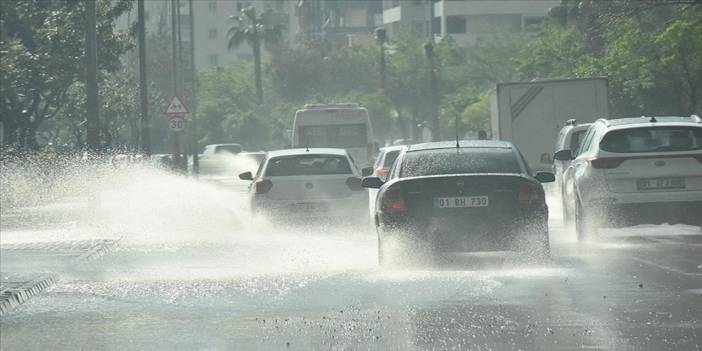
[[346, 135], [465, 160], [307, 165], [390, 158], [652, 139]]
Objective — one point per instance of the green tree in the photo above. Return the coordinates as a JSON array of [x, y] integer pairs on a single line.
[[255, 31], [43, 44], [225, 94]]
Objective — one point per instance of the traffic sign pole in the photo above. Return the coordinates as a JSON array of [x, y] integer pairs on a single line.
[[176, 109]]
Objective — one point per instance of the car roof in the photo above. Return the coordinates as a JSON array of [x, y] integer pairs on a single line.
[[226, 144], [621, 123], [462, 143], [392, 148], [307, 151], [579, 127]]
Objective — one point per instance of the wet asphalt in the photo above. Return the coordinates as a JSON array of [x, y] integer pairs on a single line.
[[257, 287]]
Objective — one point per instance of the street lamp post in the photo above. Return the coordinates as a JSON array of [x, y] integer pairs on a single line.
[[381, 36], [429, 52], [143, 94], [91, 86]]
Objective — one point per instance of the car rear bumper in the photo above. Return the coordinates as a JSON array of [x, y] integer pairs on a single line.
[[468, 235], [350, 207], [616, 214], [644, 197]]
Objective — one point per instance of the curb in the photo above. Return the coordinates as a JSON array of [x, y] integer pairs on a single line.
[[13, 296]]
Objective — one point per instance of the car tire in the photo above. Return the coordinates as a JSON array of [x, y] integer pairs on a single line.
[[586, 225], [542, 248], [382, 253], [545, 247], [567, 215]]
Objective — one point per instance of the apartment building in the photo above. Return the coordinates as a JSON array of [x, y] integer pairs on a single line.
[[339, 22], [466, 20]]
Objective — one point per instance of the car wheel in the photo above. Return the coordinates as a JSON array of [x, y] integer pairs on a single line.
[[585, 223], [545, 247], [567, 216], [542, 246], [382, 254]]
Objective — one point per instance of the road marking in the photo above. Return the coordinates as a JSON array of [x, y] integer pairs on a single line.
[[665, 267]]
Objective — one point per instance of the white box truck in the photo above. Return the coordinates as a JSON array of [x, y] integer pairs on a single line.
[[530, 114]]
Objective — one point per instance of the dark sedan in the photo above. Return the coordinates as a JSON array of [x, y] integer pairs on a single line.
[[472, 196]]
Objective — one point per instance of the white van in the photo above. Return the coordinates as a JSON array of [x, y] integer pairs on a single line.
[[345, 126]]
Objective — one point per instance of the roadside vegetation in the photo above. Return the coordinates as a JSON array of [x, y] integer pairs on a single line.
[[650, 50]]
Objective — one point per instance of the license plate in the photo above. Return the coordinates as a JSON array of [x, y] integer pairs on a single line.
[[660, 183], [308, 206], [461, 201]]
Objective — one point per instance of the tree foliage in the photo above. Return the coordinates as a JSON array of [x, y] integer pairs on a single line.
[[649, 49], [43, 46]]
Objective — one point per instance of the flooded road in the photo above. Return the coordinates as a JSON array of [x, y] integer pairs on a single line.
[[150, 268]]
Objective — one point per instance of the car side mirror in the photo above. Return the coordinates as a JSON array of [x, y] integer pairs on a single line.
[[246, 176], [372, 182], [545, 177], [563, 155], [366, 171]]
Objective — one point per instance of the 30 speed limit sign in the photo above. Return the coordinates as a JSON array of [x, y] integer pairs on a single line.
[[176, 124]]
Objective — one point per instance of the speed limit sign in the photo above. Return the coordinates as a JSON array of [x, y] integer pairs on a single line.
[[176, 124]]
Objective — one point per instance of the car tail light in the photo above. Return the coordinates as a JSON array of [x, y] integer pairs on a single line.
[[263, 186], [529, 196], [382, 171], [393, 201], [354, 183], [606, 162]]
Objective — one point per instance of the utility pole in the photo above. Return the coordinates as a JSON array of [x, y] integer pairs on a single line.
[[381, 36], [181, 83], [175, 135], [193, 92], [429, 52], [143, 93], [91, 87]]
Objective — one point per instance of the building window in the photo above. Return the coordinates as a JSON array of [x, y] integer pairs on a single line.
[[388, 4], [436, 25], [213, 59], [212, 33], [212, 6], [455, 24]]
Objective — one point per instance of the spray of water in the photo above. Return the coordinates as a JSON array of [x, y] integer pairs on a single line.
[[182, 220]]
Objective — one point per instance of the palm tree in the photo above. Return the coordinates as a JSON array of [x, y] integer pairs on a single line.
[[254, 30]]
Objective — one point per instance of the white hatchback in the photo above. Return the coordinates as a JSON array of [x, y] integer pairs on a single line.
[[632, 171], [307, 183]]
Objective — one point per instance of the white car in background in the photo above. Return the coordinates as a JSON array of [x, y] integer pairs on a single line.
[[636, 170], [386, 158], [307, 183], [569, 138]]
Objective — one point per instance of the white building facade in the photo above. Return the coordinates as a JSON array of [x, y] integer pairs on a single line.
[[466, 20]]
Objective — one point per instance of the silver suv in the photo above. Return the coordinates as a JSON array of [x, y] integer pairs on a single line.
[[633, 171]]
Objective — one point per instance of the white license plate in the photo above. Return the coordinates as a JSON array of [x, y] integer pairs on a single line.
[[660, 183], [461, 201]]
